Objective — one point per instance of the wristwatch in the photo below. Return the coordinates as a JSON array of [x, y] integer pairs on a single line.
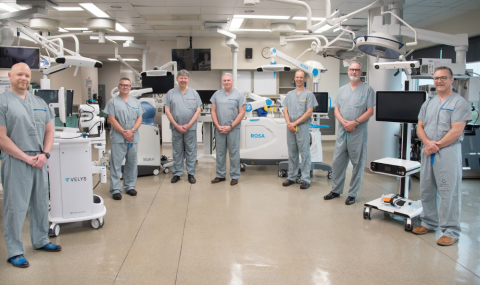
[[231, 126], [357, 123], [46, 154], [134, 130]]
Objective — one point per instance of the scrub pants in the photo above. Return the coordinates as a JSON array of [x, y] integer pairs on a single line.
[[24, 188], [231, 140], [299, 144], [187, 141], [119, 151], [441, 184], [350, 146]]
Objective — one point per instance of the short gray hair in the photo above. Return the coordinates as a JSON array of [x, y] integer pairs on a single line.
[[183, 72], [444, 68], [227, 74], [355, 62], [124, 78]]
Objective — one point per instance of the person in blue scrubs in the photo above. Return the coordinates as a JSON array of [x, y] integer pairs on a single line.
[[125, 115], [298, 109], [353, 108], [228, 110], [182, 108], [441, 122], [26, 139]]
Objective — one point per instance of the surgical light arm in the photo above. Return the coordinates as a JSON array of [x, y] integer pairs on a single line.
[[117, 56], [310, 70]]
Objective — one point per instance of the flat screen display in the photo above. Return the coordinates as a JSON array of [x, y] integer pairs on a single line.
[[69, 102], [49, 96], [13, 55], [399, 106], [322, 100], [159, 84], [205, 95], [193, 59]]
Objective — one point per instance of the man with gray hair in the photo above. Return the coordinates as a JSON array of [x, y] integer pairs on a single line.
[[182, 107], [440, 128], [228, 110], [353, 108], [125, 116]]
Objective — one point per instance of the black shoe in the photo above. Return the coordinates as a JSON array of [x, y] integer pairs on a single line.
[[288, 182], [132, 192], [304, 185], [175, 179], [117, 196], [191, 179], [330, 196], [350, 200]]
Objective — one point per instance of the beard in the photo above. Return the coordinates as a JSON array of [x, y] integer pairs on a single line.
[[354, 78]]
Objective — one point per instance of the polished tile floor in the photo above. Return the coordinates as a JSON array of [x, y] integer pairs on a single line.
[[256, 232]]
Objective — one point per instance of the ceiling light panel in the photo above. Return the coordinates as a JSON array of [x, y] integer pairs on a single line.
[[114, 38], [77, 29], [69, 8], [250, 30], [125, 59], [120, 28], [236, 23], [94, 10], [305, 18], [270, 17], [8, 8]]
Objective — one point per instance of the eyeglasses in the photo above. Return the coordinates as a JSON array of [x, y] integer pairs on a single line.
[[125, 85], [354, 70], [442, 78]]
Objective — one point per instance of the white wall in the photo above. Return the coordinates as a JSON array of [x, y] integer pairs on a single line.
[[66, 79]]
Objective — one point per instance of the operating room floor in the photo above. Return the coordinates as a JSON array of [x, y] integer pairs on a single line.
[[256, 232]]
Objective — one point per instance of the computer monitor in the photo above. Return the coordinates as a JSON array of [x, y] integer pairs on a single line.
[[10, 56], [205, 95], [57, 103], [69, 102], [159, 84], [322, 100], [399, 106]]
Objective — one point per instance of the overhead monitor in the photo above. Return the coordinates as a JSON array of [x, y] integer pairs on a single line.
[[322, 100], [54, 101], [205, 95], [13, 55], [159, 84], [399, 106]]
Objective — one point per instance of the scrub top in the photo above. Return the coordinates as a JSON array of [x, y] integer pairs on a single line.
[[437, 116], [227, 106], [298, 104], [183, 106], [126, 113], [352, 104], [25, 120]]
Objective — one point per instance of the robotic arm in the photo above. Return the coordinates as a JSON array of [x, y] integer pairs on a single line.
[[259, 102]]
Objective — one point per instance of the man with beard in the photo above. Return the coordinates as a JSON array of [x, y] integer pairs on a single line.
[[354, 106]]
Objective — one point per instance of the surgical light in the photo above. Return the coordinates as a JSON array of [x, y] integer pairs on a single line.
[[380, 45], [274, 67]]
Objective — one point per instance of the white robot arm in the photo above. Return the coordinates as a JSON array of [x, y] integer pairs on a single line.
[[259, 102]]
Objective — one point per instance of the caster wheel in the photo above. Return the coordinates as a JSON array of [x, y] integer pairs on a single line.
[[156, 172], [408, 225], [280, 173], [54, 230], [102, 221], [367, 213], [284, 173], [95, 223], [243, 167], [329, 175], [166, 170]]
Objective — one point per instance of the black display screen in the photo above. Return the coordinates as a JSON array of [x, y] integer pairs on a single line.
[[205, 95], [159, 84], [399, 106], [13, 55], [322, 100]]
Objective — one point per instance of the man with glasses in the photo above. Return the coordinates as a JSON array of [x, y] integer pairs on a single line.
[[125, 116], [182, 107], [353, 108], [440, 128]]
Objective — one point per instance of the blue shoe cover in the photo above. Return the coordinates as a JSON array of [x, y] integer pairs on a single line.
[[19, 261], [51, 247]]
